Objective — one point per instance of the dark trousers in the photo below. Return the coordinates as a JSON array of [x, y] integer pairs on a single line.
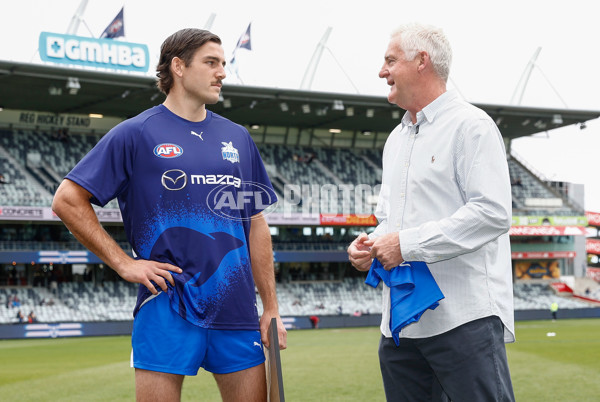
[[466, 364]]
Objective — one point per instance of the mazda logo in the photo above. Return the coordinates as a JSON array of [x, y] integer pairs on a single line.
[[174, 179]]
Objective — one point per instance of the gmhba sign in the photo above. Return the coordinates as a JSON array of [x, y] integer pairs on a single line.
[[91, 52]]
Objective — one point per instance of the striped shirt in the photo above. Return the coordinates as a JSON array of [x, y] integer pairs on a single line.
[[446, 191]]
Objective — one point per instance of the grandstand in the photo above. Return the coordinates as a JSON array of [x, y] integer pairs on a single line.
[[331, 155], [114, 301]]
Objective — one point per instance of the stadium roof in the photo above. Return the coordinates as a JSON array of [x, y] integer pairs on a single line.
[[30, 87]]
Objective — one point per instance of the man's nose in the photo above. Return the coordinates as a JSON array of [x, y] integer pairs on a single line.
[[221, 74]]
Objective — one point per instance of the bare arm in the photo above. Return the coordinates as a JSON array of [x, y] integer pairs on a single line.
[[261, 254], [72, 205]]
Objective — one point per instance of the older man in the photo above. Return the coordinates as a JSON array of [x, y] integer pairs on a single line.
[[446, 201]]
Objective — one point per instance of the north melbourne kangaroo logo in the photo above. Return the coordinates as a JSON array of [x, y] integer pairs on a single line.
[[229, 152]]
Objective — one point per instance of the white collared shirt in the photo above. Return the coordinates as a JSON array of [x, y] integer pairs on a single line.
[[446, 191]]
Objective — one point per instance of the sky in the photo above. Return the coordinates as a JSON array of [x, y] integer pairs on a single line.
[[492, 41]]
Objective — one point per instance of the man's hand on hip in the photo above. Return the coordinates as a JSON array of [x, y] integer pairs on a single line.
[[147, 271]]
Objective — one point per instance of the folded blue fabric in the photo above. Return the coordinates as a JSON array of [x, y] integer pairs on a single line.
[[413, 290]]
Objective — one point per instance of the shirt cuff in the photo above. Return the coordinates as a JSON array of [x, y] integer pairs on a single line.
[[409, 243], [373, 235]]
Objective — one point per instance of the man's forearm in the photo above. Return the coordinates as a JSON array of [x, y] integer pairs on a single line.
[[71, 204], [261, 253]]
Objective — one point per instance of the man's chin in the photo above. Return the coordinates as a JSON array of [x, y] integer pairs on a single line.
[[212, 100], [392, 97]]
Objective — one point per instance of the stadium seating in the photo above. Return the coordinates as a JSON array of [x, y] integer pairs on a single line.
[[74, 301], [34, 163], [114, 301], [527, 186], [322, 166], [33, 184], [20, 188], [327, 298], [539, 296]]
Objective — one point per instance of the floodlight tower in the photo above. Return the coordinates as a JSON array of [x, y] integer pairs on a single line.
[[77, 18], [525, 79], [311, 69], [522, 84], [209, 22]]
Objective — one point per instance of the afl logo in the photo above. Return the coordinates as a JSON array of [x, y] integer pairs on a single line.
[[168, 150], [174, 179]]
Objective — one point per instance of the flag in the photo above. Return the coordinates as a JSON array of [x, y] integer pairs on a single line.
[[242, 43], [116, 28]]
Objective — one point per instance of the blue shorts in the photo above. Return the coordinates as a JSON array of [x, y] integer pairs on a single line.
[[163, 341]]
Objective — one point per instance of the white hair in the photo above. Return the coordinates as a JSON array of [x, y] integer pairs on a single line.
[[415, 38]]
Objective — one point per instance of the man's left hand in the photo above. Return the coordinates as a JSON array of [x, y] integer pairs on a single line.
[[386, 249]]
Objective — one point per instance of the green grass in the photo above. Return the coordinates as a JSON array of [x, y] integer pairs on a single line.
[[564, 367], [319, 365]]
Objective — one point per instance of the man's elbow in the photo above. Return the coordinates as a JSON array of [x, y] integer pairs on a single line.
[[504, 219], [499, 216], [57, 201], [65, 198], [507, 223]]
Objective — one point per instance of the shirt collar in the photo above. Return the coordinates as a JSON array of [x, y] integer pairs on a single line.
[[430, 111]]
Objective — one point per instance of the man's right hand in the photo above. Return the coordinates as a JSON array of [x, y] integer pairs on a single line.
[[146, 272], [359, 252]]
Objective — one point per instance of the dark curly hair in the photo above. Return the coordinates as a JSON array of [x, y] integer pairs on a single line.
[[182, 44]]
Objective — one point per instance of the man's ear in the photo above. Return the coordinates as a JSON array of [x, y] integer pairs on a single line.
[[424, 60], [177, 66]]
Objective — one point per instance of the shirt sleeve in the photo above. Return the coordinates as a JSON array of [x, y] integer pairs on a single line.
[[382, 210], [481, 172], [106, 169]]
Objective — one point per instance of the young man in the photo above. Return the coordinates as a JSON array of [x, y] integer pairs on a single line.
[[196, 263], [445, 200]]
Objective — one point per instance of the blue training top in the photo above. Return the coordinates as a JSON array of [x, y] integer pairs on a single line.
[[186, 192], [413, 290]]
